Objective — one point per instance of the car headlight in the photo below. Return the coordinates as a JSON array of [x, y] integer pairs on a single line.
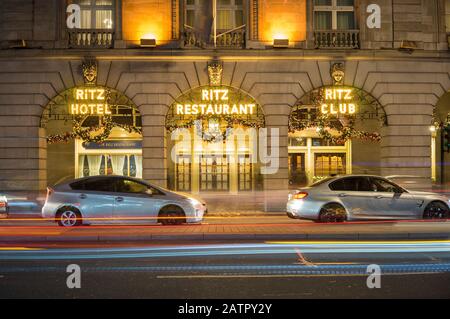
[[195, 202]]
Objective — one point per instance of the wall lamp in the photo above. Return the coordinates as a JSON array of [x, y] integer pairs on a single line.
[[280, 43], [148, 43]]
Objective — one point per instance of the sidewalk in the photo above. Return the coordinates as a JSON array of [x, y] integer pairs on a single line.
[[232, 232]]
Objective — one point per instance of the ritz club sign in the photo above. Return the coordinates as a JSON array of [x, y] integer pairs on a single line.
[[338, 101], [215, 102]]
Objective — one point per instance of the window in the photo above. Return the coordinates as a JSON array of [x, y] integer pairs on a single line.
[[98, 184], [96, 14], [230, 13], [329, 164], [381, 185], [352, 184], [334, 14], [107, 164], [129, 186]]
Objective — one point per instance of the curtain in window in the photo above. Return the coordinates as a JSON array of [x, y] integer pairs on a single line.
[[138, 166], [204, 20], [85, 19], [117, 164], [224, 20], [94, 164], [81, 165], [323, 20], [103, 19], [345, 21]]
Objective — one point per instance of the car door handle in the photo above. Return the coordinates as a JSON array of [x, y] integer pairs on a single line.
[[119, 199], [379, 197], [342, 195], [83, 196]]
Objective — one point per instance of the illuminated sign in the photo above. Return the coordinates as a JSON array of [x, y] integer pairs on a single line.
[[90, 101], [338, 101], [215, 102]]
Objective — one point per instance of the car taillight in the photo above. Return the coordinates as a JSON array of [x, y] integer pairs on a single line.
[[300, 195]]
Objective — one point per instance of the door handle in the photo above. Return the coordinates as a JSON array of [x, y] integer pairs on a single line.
[[119, 199], [342, 195], [379, 197], [83, 196]]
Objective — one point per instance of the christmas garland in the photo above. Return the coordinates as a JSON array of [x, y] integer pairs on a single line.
[[324, 124], [229, 122], [86, 133]]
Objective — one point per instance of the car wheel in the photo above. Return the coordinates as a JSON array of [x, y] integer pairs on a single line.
[[332, 213], [436, 210], [68, 217], [172, 215]]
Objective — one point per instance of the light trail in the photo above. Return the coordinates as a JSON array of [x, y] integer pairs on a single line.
[[271, 248]]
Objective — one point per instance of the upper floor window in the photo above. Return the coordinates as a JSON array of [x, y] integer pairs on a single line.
[[229, 13], [221, 22], [334, 15], [96, 14]]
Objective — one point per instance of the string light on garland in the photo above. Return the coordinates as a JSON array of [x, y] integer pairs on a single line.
[[87, 134]]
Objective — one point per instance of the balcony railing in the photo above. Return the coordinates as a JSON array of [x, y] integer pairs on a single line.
[[234, 39], [91, 38], [336, 39]]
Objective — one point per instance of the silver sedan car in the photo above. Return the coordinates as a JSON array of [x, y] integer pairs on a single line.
[[116, 199], [355, 197]]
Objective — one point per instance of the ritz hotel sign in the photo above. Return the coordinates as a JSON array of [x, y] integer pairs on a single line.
[[90, 101]]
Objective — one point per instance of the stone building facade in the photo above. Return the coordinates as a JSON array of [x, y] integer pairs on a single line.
[[404, 65]]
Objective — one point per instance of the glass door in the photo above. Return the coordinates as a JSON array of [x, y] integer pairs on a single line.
[[214, 173], [297, 169], [245, 173], [183, 173]]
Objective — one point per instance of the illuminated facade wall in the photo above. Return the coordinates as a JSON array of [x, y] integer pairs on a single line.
[[146, 19], [281, 19]]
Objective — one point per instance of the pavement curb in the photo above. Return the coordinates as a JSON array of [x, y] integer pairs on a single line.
[[211, 237]]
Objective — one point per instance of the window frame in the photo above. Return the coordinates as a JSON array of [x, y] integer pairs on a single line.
[[334, 9], [93, 8], [232, 7]]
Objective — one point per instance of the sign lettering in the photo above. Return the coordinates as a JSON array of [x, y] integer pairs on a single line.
[[90, 102], [214, 102], [338, 101]]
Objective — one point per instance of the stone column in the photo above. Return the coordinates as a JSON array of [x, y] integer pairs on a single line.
[[154, 150]]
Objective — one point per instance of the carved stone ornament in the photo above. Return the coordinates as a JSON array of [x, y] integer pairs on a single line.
[[338, 73], [89, 68], [215, 72]]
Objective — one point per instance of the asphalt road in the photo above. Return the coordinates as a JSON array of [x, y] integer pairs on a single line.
[[244, 270]]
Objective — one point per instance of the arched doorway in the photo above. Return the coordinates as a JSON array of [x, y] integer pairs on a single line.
[[334, 130], [92, 130], [440, 141], [212, 141]]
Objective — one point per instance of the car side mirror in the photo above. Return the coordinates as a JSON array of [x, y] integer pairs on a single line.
[[149, 192]]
